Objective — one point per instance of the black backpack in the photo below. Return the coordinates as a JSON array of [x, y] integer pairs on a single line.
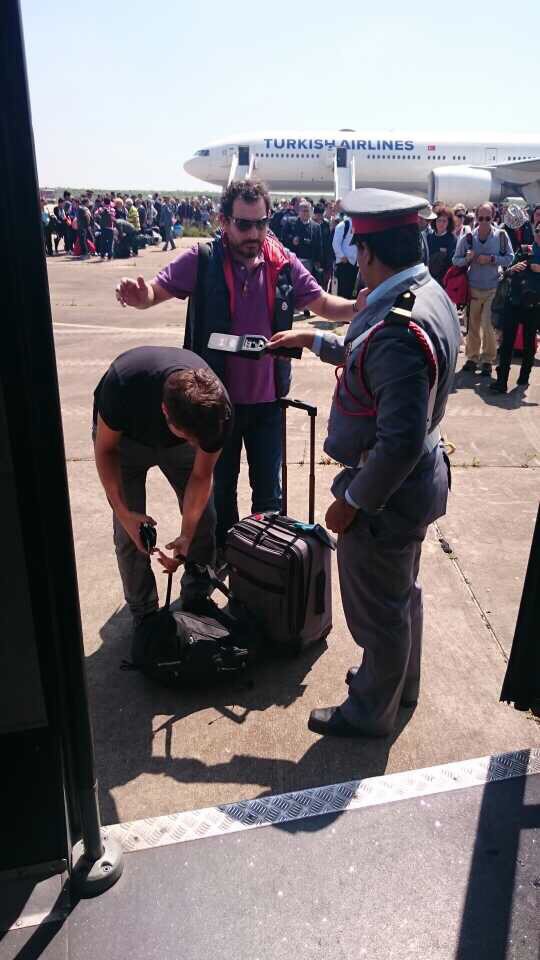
[[175, 647]]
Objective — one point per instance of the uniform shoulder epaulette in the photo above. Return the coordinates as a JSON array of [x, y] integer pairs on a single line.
[[401, 312]]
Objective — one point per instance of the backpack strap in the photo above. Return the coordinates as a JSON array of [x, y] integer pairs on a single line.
[[203, 259], [503, 246]]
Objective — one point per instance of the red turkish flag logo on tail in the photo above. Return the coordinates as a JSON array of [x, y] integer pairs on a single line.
[[431, 146]]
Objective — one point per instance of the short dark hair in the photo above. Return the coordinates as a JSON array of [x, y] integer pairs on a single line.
[[397, 248], [196, 402], [247, 190]]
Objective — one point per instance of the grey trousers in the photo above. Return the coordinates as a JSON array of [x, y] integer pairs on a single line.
[[382, 600], [138, 580]]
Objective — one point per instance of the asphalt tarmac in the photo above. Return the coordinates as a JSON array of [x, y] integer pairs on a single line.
[[160, 751]]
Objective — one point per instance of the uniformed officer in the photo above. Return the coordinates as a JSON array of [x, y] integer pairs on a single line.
[[395, 369]]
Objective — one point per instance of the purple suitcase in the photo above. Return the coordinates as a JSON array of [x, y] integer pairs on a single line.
[[280, 568]]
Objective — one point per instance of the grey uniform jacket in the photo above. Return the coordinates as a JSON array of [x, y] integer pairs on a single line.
[[398, 474]]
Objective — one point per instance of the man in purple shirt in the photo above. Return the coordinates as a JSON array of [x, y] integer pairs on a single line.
[[242, 282]]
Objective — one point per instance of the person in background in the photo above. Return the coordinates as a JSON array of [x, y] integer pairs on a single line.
[[105, 218], [518, 227], [46, 227], [441, 243], [83, 227], [345, 253], [319, 217], [303, 237], [425, 219], [120, 209], [133, 215], [166, 224], [522, 306], [484, 252], [460, 227], [126, 238]]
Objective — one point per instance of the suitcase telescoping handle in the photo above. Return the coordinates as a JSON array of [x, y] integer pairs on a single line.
[[312, 413]]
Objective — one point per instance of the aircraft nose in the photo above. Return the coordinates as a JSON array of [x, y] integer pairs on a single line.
[[193, 166]]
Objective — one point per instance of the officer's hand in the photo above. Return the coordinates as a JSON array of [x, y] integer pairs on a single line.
[[470, 256], [291, 338], [339, 516], [483, 260], [518, 267], [131, 523], [360, 301], [134, 293]]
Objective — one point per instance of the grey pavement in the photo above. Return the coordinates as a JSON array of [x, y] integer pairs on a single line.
[[160, 751]]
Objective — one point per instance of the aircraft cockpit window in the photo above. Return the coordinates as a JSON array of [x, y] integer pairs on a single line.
[[202, 153]]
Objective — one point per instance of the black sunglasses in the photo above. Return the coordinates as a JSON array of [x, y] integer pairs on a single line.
[[458, 213], [484, 219], [245, 225]]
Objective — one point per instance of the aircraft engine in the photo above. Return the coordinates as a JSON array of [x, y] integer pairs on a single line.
[[468, 185]]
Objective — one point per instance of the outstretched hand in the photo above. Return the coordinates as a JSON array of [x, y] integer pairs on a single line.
[[134, 293]]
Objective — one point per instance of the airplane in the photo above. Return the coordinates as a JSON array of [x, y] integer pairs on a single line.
[[455, 170]]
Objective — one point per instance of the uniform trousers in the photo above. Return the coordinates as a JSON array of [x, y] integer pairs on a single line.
[[346, 274], [382, 602], [481, 341], [135, 569]]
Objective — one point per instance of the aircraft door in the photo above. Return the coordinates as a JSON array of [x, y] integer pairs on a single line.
[[341, 156], [243, 156]]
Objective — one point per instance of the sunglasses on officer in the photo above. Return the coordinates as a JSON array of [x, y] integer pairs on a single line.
[[243, 225], [484, 219], [459, 213]]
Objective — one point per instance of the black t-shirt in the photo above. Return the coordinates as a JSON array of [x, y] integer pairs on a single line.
[[128, 398]]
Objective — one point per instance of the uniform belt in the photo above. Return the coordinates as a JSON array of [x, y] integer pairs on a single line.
[[433, 438]]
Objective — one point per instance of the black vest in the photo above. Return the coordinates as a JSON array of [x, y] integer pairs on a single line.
[[209, 312]]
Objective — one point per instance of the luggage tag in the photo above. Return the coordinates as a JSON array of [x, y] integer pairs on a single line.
[[318, 531]]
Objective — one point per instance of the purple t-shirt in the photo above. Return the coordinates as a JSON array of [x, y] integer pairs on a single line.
[[247, 381]]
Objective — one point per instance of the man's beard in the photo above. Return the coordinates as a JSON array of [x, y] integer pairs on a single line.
[[247, 249]]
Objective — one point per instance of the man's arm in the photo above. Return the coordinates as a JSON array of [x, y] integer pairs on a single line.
[[337, 308], [108, 466], [196, 496]]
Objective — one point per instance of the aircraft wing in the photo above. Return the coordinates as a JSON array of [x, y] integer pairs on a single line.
[[515, 171]]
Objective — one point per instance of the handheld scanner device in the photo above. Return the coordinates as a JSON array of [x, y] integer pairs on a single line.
[[250, 346]]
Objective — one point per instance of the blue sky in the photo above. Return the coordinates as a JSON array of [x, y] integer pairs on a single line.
[[122, 93]]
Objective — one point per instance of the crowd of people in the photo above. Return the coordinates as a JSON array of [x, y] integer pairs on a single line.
[[476, 255], [118, 225], [487, 259]]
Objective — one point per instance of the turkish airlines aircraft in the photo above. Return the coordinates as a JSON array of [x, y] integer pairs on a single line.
[[453, 170]]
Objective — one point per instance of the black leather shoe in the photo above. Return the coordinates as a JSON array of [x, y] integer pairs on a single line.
[[351, 673], [469, 367], [330, 722]]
